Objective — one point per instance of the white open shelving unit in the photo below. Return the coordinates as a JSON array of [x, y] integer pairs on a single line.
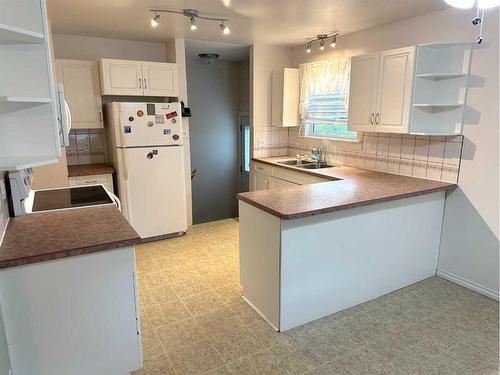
[[440, 88], [28, 125]]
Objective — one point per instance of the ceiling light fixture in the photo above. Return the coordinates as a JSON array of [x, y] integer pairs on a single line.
[[193, 15], [155, 20], [321, 39]]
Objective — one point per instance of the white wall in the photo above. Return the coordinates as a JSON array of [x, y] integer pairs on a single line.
[[80, 47], [469, 247], [244, 86]]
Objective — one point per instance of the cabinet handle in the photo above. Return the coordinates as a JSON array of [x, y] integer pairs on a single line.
[[100, 116], [371, 118], [90, 181], [140, 83], [267, 184], [145, 84], [377, 118]]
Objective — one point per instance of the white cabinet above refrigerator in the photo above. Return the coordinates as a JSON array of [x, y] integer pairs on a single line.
[[138, 78]]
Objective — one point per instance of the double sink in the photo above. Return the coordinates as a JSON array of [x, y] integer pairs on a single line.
[[303, 164]]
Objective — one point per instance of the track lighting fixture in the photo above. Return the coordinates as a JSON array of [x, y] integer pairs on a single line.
[[193, 15], [224, 28], [155, 19], [193, 24], [321, 38]]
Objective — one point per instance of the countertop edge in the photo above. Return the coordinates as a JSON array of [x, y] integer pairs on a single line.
[[291, 168], [89, 170], [342, 207], [68, 253]]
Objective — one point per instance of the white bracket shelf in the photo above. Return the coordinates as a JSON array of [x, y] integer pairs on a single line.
[[14, 35]]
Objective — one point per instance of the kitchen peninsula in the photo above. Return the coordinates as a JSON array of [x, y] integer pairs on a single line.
[[310, 251]]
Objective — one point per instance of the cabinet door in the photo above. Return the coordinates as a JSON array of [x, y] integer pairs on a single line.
[[159, 79], [261, 182], [121, 77], [277, 81], [363, 92], [395, 84], [82, 92], [291, 93]]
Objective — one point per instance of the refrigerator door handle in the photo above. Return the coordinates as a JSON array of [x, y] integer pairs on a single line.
[[67, 125]]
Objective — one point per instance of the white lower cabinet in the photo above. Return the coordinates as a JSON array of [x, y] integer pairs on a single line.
[[76, 315], [260, 182], [104, 179], [276, 183]]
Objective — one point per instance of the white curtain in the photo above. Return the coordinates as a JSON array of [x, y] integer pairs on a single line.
[[323, 77]]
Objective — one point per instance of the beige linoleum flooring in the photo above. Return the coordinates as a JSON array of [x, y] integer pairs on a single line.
[[194, 321]]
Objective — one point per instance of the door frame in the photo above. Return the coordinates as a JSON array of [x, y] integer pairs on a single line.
[[241, 148]]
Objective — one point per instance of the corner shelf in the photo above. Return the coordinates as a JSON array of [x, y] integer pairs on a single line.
[[437, 76], [15, 103], [18, 163], [13, 35], [438, 105]]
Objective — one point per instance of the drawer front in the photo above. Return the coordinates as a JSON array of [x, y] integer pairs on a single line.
[[262, 168], [104, 179], [292, 176]]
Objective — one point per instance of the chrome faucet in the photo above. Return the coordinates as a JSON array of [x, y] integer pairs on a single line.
[[318, 155]]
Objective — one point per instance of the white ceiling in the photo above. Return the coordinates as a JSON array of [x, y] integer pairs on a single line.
[[287, 22]]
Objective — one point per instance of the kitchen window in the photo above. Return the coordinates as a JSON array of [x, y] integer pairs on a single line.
[[324, 99]]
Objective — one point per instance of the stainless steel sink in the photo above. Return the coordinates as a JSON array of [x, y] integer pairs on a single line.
[[314, 166], [295, 162]]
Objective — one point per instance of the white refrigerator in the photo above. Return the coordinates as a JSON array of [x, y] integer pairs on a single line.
[[147, 153]]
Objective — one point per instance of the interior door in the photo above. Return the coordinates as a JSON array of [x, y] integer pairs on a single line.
[[156, 192], [121, 77], [159, 79], [82, 92], [363, 92], [395, 84]]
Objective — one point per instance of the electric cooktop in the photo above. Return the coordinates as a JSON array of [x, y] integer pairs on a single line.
[[67, 198]]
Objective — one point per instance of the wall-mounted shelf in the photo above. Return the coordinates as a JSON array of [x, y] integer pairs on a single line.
[[12, 35], [440, 88], [15, 103], [440, 105], [437, 76], [17, 163]]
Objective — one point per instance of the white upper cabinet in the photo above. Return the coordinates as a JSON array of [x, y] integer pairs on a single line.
[[159, 79], [121, 77], [417, 90], [285, 97], [395, 82], [138, 78], [29, 132], [82, 92], [363, 92]]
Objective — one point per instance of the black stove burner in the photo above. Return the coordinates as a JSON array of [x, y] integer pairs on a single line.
[[56, 199]]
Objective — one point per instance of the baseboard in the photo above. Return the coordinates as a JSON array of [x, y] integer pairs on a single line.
[[258, 312], [469, 284]]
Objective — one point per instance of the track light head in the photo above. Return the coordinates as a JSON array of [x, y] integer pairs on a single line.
[[322, 44], [333, 43], [308, 47], [193, 24], [155, 20], [225, 29]]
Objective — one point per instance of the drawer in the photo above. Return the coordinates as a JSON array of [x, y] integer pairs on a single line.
[[262, 168], [316, 180], [292, 176], [104, 179]]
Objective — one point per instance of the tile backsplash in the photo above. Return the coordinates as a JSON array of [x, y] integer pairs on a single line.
[[431, 157], [86, 146]]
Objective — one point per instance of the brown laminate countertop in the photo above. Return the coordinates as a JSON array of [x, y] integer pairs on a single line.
[[89, 169], [350, 187], [59, 234]]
